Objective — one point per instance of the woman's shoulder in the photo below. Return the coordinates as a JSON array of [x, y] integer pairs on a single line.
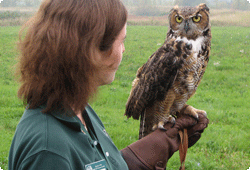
[[39, 131], [59, 137]]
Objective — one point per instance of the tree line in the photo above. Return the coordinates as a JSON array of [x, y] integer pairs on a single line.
[[231, 4], [20, 3]]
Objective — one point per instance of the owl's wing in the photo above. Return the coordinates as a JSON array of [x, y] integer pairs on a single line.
[[153, 79]]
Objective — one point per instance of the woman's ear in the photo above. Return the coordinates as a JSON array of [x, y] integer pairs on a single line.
[[96, 58], [100, 58]]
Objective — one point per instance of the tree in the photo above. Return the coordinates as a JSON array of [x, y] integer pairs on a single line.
[[189, 2], [241, 4], [8, 3], [25, 3]]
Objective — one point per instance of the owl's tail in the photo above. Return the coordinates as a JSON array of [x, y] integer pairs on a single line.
[[146, 122], [142, 125]]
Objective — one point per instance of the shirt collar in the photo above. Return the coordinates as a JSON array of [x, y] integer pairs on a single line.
[[72, 122]]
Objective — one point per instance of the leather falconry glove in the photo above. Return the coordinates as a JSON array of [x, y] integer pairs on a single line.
[[154, 150]]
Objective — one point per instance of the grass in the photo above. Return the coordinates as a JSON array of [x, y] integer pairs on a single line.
[[224, 93]]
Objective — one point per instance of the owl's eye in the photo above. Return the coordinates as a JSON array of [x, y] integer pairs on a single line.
[[196, 18], [178, 19]]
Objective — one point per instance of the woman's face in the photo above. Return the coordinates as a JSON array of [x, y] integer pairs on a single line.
[[109, 64]]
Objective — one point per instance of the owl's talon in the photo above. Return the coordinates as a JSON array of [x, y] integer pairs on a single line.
[[201, 112], [189, 110], [172, 120], [162, 128], [196, 117], [205, 114], [161, 125]]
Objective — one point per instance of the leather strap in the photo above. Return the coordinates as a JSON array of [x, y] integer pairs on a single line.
[[183, 147]]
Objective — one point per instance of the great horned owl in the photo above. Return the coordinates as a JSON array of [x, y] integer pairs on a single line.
[[172, 74]]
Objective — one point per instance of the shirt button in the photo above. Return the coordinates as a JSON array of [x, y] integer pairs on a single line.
[[107, 154], [95, 143]]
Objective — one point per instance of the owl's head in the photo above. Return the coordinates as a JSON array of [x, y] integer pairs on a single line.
[[189, 22]]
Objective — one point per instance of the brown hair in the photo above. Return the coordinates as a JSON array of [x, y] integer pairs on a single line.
[[55, 65]]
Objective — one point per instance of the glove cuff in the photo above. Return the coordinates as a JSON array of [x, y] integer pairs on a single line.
[[155, 149]]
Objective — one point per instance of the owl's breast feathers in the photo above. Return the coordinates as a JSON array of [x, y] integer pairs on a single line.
[[178, 65]]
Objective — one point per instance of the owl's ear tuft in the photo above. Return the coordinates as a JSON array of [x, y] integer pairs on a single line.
[[204, 7], [175, 8], [173, 11]]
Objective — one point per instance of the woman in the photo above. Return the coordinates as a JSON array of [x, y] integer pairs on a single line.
[[72, 47]]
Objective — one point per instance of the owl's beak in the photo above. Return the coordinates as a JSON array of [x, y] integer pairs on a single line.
[[186, 27]]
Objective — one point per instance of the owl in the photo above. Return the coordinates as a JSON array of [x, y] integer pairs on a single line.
[[172, 74]]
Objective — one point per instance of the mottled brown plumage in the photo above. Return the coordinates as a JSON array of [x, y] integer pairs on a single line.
[[172, 74]]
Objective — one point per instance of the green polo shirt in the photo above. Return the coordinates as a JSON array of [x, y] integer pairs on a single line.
[[59, 142]]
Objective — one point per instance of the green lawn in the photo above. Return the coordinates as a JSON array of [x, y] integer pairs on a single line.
[[224, 93]]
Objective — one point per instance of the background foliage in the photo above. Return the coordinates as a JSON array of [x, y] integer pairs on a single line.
[[146, 4]]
